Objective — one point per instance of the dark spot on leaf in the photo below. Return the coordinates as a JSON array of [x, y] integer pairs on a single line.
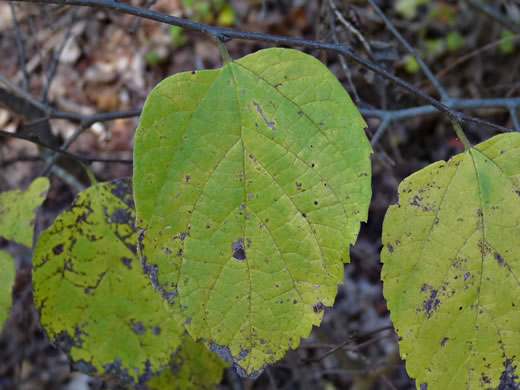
[[278, 85], [313, 165], [248, 242], [188, 321], [499, 258], [193, 72], [432, 303], [250, 196], [188, 178], [127, 262], [315, 203], [467, 275], [416, 201], [424, 386], [157, 331], [443, 342], [121, 216], [261, 112], [168, 252], [300, 113], [304, 215], [508, 378], [319, 307], [138, 328], [57, 249], [390, 248], [239, 252], [460, 307], [295, 302], [244, 91], [183, 236], [179, 253]]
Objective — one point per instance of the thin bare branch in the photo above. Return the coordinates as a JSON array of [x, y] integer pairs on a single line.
[[442, 92], [352, 29], [19, 45], [514, 116], [57, 56], [344, 65], [226, 34], [495, 14], [75, 156]]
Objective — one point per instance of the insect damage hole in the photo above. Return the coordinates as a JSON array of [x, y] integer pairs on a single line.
[[239, 251]]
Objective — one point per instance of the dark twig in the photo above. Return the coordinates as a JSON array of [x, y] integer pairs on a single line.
[[137, 21], [344, 65], [495, 14], [75, 156], [376, 369], [5, 163], [442, 92], [227, 34], [388, 116], [21, 50], [57, 56], [86, 122], [514, 116]]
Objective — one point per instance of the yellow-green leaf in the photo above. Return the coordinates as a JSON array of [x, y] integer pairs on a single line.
[[7, 276], [250, 185], [192, 367], [17, 211], [95, 301], [452, 268]]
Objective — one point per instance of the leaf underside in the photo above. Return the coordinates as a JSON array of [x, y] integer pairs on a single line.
[[250, 185], [94, 299], [452, 268], [17, 211], [7, 277]]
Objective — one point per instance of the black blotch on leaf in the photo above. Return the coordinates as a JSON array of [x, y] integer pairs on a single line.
[[319, 307], [239, 252], [127, 262], [121, 216], [57, 249]]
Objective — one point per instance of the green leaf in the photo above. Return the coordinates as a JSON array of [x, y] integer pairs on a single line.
[[7, 277], [192, 367], [455, 41], [507, 47], [94, 299], [408, 8], [250, 184], [17, 211], [452, 266]]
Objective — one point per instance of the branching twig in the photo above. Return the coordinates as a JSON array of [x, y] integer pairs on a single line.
[[514, 116], [86, 122], [344, 65], [227, 34], [442, 92], [352, 29], [57, 56], [19, 44], [75, 156], [495, 14], [388, 116]]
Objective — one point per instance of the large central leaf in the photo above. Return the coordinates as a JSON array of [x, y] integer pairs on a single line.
[[250, 185]]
